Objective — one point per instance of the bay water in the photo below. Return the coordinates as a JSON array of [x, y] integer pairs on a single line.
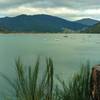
[[68, 52]]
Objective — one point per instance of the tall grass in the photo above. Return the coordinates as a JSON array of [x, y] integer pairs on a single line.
[[28, 86], [79, 87]]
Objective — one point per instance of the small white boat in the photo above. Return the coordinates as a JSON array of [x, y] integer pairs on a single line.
[[57, 39]]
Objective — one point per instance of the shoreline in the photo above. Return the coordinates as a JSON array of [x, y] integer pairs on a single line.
[[44, 33]]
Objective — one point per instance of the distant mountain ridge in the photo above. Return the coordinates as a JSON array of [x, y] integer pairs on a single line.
[[42, 23], [39, 23], [88, 21]]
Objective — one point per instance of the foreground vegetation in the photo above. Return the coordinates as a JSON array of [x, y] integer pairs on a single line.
[[29, 85]]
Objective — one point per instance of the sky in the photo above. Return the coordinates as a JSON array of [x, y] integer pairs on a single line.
[[67, 9]]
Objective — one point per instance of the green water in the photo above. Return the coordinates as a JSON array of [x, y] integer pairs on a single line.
[[68, 53]]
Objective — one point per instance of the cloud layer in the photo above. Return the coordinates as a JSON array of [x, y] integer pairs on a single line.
[[68, 9]]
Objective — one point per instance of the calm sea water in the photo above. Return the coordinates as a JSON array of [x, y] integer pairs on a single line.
[[68, 53]]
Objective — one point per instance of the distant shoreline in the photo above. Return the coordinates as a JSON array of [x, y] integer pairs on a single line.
[[44, 33]]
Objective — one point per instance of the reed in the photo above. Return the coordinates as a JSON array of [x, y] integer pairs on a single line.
[[79, 87], [28, 86]]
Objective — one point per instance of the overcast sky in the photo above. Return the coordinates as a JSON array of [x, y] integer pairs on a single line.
[[68, 9]]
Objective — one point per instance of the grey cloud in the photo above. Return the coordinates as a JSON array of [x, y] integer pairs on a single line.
[[80, 5], [6, 4]]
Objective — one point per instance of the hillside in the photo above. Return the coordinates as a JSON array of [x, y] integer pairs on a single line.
[[93, 29], [39, 23], [4, 30]]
